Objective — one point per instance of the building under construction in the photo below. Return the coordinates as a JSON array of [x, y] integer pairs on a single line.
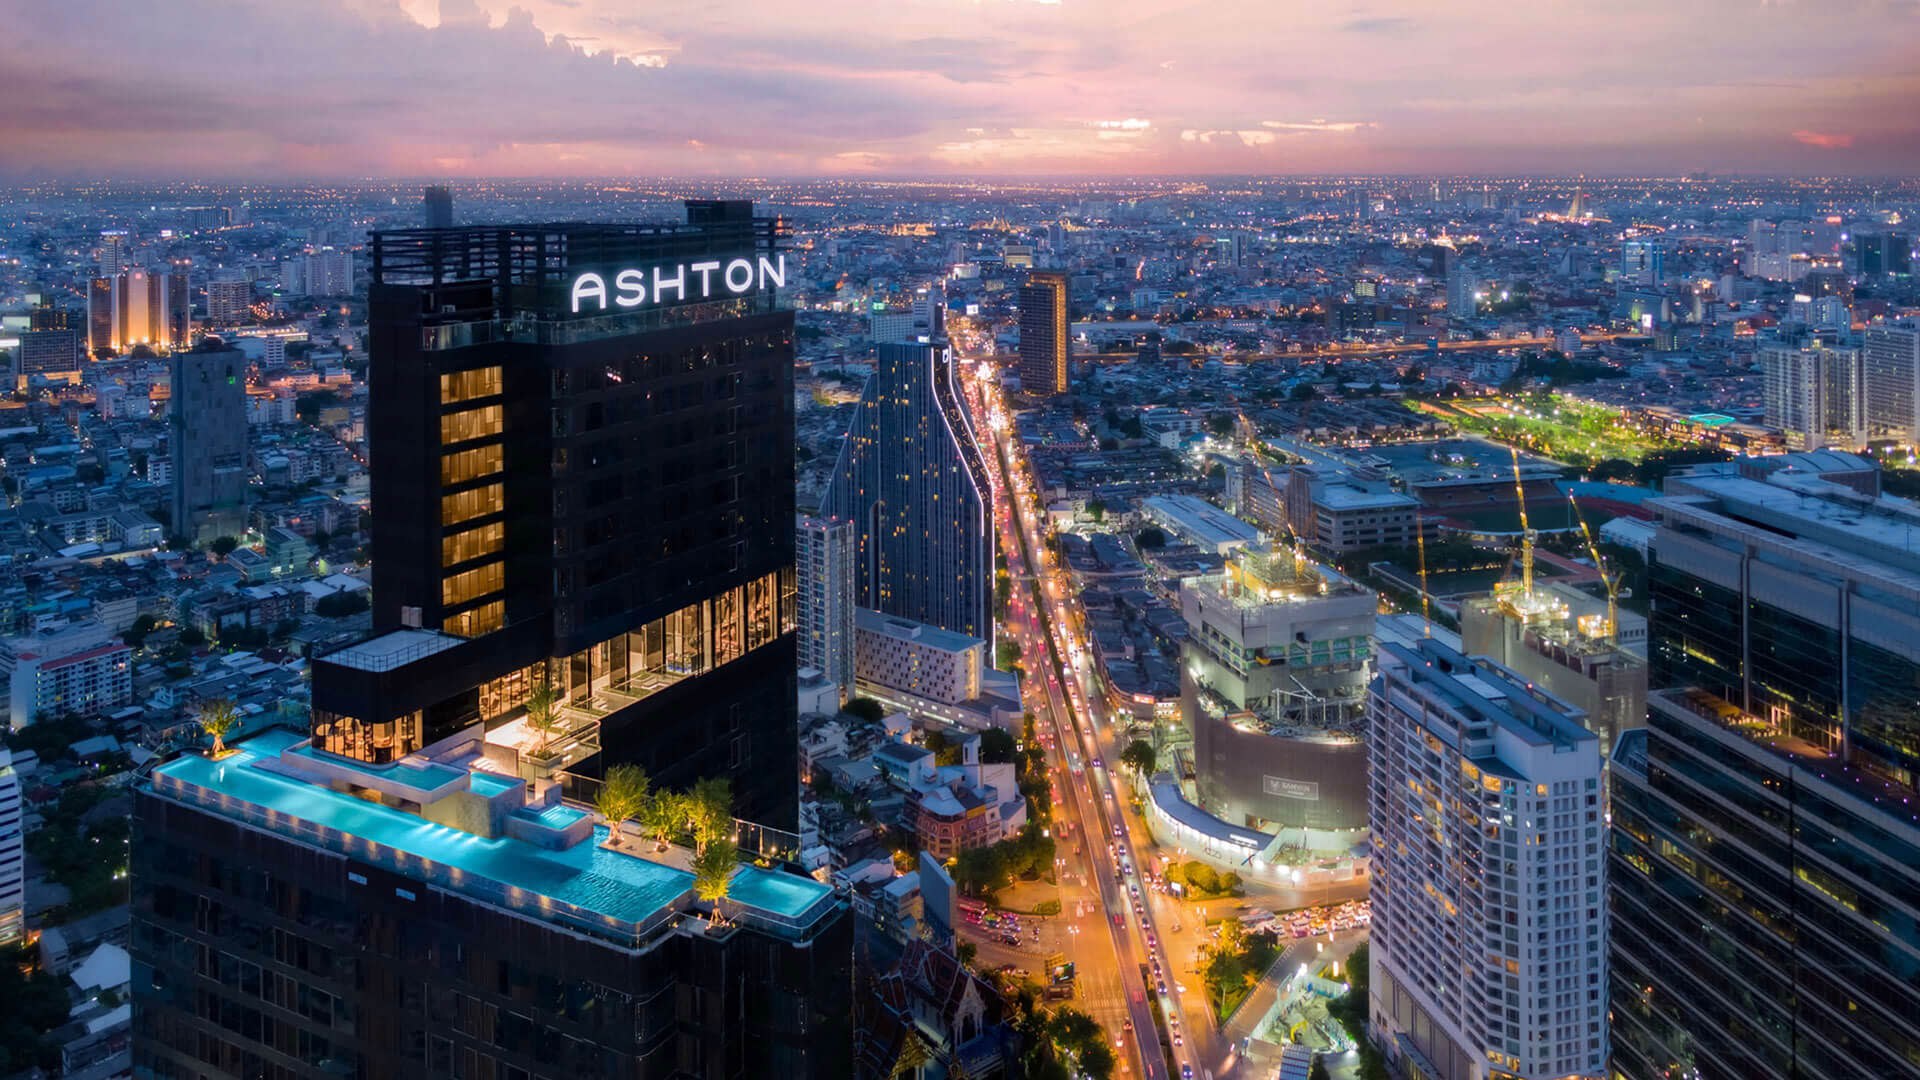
[[1558, 640], [1277, 661], [1563, 639]]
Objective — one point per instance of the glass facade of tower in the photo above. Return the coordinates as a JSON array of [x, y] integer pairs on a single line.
[[1766, 826], [1762, 904], [912, 478]]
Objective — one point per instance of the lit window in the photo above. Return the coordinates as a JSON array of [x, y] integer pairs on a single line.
[[484, 619], [466, 505], [466, 385], [461, 547], [469, 424], [473, 584], [464, 465]]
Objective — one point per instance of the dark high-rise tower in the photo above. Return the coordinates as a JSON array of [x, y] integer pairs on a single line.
[[1044, 340], [207, 441], [913, 480], [436, 207], [582, 475]]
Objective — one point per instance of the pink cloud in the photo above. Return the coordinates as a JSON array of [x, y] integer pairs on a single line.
[[1824, 140]]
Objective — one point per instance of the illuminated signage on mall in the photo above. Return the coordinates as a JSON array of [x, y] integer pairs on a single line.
[[676, 283]]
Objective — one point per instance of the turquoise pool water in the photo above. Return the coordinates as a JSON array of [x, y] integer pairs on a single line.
[[422, 777], [774, 891], [554, 817], [585, 875], [491, 784]]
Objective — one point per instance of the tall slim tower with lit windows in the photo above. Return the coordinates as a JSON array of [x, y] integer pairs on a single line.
[[1044, 334]]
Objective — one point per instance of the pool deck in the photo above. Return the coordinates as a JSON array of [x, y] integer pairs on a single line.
[[620, 887]]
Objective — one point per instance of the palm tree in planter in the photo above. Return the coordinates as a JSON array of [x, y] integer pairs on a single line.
[[623, 793], [543, 715], [218, 717], [713, 867]]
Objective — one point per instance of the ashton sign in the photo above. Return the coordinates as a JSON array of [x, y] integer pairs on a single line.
[[677, 283]]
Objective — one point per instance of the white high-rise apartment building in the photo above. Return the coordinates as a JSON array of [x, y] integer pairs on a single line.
[[13, 863], [1489, 938], [1812, 394], [323, 273], [823, 557], [1890, 377]]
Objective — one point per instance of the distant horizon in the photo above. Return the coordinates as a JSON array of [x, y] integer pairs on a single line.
[[477, 89], [1897, 179]]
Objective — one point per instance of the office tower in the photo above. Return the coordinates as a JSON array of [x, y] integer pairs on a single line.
[[1045, 340], [1642, 262], [229, 302], [1489, 939], [583, 478], [913, 479], [823, 557], [116, 251], [1273, 687], [1765, 843], [1812, 392], [296, 914], [1890, 380], [51, 354], [1461, 301], [139, 307], [13, 863], [1879, 254], [207, 441], [436, 207]]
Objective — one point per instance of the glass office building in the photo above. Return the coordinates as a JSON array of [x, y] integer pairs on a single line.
[[1765, 867]]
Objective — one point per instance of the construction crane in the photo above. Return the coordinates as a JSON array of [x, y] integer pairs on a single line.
[[1526, 532], [1611, 581], [1525, 604]]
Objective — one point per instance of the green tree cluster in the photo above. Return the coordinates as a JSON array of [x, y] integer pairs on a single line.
[[32, 1003]]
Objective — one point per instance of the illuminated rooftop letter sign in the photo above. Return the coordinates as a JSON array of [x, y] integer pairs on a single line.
[[674, 283]]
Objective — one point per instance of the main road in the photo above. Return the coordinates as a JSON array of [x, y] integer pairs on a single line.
[[1122, 939]]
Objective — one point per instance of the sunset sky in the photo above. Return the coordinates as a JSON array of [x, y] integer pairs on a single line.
[[474, 88]]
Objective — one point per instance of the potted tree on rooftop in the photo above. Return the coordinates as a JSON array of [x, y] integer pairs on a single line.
[[622, 794], [543, 715], [713, 867], [218, 717]]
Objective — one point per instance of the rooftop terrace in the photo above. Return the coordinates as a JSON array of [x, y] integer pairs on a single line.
[[583, 885]]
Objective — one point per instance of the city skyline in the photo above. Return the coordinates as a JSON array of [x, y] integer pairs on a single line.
[[460, 89]]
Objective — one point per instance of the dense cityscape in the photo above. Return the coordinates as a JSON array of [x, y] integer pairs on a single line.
[[1443, 627]]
